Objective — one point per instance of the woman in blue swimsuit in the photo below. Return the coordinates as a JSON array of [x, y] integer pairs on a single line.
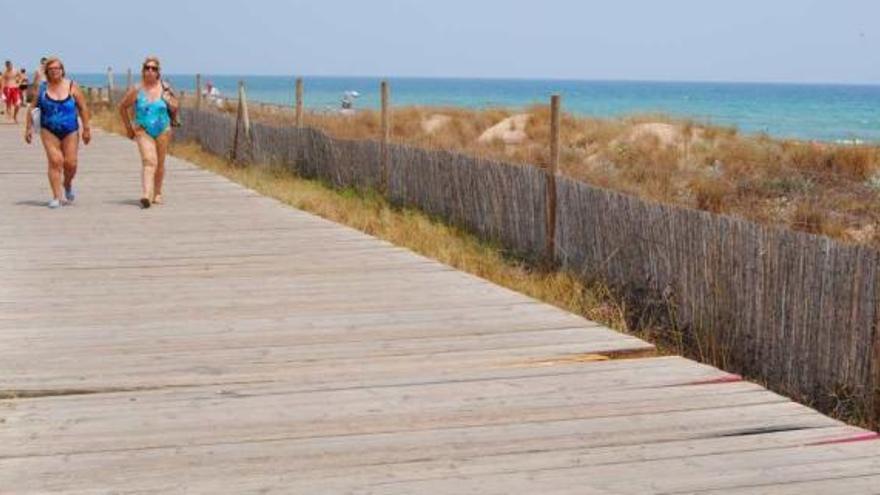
[[151, 129], [62, 105]]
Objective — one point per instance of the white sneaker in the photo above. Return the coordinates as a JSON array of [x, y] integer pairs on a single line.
[[53, 204]]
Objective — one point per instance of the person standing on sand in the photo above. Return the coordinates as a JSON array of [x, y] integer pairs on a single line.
[[61, 105], [213, 95], [11, 91], [152, 102]]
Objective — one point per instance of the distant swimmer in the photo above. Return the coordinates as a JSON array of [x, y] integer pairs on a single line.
[[11, 91], [61, 105], [152, 102]]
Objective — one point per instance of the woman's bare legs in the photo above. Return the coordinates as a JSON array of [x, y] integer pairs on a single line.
[[70, 150], [149, 159], [55, 156], [161, 150]]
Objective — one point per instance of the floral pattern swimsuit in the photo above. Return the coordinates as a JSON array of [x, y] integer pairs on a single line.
[[152, 116]]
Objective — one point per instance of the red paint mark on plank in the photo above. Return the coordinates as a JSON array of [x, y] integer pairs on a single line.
[[862, 437]]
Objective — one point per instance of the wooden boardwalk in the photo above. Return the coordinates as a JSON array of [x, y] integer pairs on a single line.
[[225, 343]]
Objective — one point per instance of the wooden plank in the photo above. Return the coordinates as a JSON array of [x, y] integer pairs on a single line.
[[250, 466], [126, 424], [847, 484]]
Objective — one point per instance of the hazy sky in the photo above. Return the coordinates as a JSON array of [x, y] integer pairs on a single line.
[[732, 40]]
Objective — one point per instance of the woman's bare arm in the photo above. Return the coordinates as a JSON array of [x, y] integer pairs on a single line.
[[125, 107], [84, 114]]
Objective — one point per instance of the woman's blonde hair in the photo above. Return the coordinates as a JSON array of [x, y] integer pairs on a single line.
[[154, 59], [54, 60]]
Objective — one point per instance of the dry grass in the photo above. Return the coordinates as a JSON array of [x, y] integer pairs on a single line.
[[109, 121], [667, 160]]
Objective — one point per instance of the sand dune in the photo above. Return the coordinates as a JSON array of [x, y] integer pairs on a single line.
[[511, 130], [435, 122]]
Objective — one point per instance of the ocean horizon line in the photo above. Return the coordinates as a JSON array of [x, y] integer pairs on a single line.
[[118, 74]]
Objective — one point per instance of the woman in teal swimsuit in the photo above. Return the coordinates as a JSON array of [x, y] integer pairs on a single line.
[[151, 129]]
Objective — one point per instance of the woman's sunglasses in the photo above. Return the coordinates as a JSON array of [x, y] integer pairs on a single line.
[[151, 68]]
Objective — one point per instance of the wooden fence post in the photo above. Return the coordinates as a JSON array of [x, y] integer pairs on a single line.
[[198, 91], [110, 86], [552, 170], [242, 126], [386, 134], [299, 102]]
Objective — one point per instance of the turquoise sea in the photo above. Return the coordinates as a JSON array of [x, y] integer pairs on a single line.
[[842, 113]]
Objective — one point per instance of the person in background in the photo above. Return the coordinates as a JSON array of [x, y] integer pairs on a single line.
[[152, 102], [23, 87], [11, 91], [61, 105], [212, 94], [37, 77]]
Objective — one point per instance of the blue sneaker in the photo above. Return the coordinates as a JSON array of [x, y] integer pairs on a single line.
[[69, 194], [53, 204]]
